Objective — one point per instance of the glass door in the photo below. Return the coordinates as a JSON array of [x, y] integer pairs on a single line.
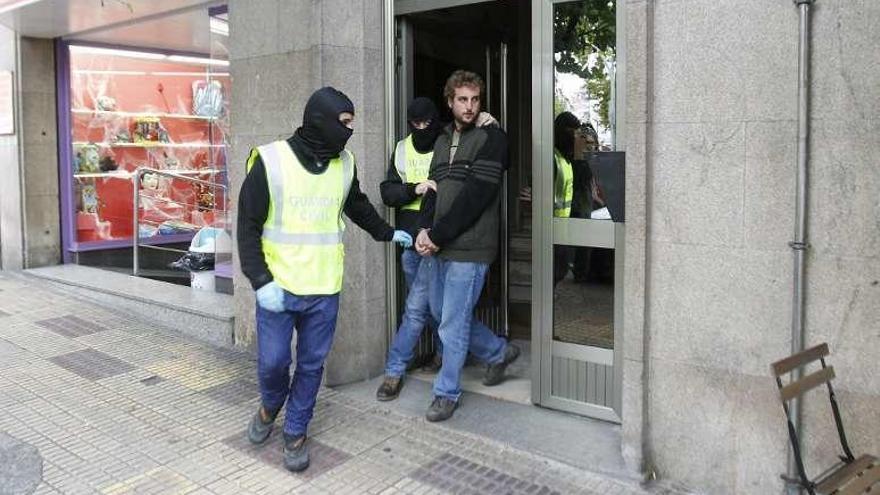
[[577, 209]]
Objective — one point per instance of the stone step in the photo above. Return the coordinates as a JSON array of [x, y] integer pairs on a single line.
[[207, 316]]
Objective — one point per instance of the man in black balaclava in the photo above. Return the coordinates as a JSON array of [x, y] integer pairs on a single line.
[[322, 134], [424, 124], [290, 245], [564, 126], [406, 183]]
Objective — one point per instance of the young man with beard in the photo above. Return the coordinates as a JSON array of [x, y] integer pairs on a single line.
[[290, 245], [460, 240]]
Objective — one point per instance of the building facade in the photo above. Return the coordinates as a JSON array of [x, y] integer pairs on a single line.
[[705, 110]]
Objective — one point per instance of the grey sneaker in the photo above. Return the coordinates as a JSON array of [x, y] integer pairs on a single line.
[[296, 453], [390, 388], [495, 372], [258, 430], [441, 409]]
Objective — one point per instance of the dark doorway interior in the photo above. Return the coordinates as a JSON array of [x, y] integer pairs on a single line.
[[477, 37]]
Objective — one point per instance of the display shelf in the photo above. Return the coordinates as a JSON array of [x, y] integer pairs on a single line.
[[128, 175], [127, 243], [114, 113], [149, 145]]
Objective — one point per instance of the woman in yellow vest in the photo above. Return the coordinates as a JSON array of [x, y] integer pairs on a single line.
[[290, 246]]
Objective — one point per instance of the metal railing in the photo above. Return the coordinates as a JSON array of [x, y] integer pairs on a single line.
[[136, 234]]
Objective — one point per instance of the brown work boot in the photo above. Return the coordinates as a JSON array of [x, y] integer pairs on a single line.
[[434, 365], [390, 388], [495, 372]]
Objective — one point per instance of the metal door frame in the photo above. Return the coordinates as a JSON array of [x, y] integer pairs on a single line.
[[568, 231], [402, 7]]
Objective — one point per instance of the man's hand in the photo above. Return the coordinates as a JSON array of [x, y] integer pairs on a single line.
[[525, 194], [423, 187], [424, 245], [485, 119]]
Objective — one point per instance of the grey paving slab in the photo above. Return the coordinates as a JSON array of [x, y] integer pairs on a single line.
[[21, 466], [322, 456], [456, 474], [91, 364], [70, 326], [234, 392]]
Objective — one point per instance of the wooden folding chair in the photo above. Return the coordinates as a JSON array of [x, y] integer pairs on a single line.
[[853, 475]]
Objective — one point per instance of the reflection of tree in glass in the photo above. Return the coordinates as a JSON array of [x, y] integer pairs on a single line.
[[582, 29]]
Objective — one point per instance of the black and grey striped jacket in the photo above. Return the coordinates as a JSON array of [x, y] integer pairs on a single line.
[[466, 208]]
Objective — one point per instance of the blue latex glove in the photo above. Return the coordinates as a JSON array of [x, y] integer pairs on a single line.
[[271, 297], [402, 238]]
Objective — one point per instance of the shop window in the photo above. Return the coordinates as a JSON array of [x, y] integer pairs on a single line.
[[135, 109]]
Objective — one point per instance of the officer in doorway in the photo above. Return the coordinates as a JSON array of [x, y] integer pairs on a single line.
[[290, 245], [406, 184]]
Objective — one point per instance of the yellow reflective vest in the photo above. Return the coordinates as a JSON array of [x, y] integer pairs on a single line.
[[563, 187], [302, 236], [412, 166]]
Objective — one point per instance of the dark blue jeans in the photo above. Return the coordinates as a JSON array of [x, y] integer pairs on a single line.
[[314, 318]]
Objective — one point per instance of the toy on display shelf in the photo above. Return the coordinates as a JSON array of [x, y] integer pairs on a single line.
[[207, 98], [170, 162], [88, 159], [160, 186], [149, 130], [120, 136], [89, 198], [205, 197], [105, 103], [108, 164]]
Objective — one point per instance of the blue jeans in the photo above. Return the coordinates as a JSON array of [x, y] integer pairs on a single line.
[[416, 314], [456, 288], [410, 261], [315, 320]]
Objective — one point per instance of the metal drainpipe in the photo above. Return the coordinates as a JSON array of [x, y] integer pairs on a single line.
[[799, 245]]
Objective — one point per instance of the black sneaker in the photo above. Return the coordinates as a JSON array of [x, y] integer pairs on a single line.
[[390, 388], [259, 430], [441, 409], [434, 365], [296, 453], [495, 372]]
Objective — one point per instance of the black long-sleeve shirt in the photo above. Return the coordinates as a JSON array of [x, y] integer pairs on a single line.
[[396, 194], [253, 209]]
